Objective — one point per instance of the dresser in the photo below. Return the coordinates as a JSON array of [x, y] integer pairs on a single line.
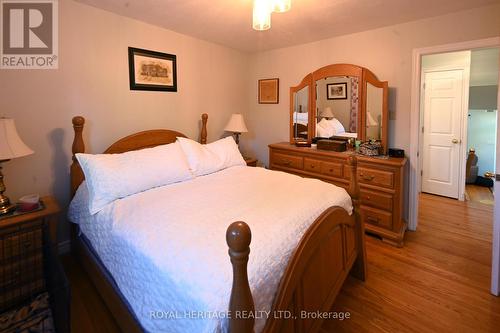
[[380, 179]]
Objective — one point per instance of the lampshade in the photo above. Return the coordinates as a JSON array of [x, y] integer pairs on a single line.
[[11, 145], [327, 112], [370, 121], [236, 124], [262, 10]]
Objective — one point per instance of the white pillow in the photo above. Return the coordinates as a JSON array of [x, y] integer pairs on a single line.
[[212, 157], [330, 127], [114, 176], [337, 126], [321, 131]]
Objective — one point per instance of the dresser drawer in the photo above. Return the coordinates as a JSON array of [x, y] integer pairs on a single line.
[[376, 217], [20, 243], [332, 169], [14, 296], [287, 161], [376, 177], [376, 200], [312, 165], [21, 272]]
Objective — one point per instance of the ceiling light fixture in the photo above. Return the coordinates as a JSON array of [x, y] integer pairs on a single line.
[[261, 15], [262, 10], [281, 6]]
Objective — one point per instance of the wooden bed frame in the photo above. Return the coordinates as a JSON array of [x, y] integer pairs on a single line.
[[331, 248]]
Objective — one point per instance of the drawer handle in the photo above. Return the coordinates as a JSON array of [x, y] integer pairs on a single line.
[[374, 220], [27, 244], [367, 197], [367, 177], [312, 166], [331, 170], [286, 162]]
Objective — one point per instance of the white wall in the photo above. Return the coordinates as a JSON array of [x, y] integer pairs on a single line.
[[448, 59], [386, 51], [482, 136], [92, 80]]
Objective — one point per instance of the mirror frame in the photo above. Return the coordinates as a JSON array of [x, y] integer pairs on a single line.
[[365, 76], [306, 82], [369, 77]]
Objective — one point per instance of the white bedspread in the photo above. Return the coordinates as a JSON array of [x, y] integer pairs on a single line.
[[166, 247]]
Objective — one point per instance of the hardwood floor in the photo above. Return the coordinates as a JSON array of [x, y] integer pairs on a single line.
[[479, 194], [88, 311], [438, 282]]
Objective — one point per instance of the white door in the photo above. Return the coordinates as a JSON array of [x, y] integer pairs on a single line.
[[443, 98]]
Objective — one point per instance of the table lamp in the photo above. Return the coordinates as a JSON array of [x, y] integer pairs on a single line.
[[11, 146], [327, 113], [236, 125]]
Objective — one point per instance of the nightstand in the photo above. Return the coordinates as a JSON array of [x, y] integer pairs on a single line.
[[251, 161], [25, 240]]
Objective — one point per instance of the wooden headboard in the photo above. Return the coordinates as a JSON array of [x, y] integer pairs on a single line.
[[141, 140]]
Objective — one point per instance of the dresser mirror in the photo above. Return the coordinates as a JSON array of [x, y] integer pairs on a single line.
[[373, 112], [343, 101], [337, 106], [300, 111], [301, 114], [376, 112]]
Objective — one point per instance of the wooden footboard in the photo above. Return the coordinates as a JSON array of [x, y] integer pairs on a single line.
[[331, 248]]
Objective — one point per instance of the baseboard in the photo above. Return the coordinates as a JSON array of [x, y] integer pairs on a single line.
[[64, 247]]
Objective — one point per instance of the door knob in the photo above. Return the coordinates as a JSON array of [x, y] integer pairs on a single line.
[[454, 141]]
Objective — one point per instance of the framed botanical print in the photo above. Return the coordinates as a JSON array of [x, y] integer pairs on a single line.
[[269, 91], [336, 90], [151, 70]]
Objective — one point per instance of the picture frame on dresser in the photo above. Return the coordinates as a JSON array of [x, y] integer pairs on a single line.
[[152, 70]]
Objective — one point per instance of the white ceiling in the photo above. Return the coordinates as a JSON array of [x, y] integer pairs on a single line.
[[484, 67], [229, 22]]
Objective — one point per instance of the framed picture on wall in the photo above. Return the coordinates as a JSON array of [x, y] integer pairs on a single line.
[[151, 70], [336, 90], [269, 91]]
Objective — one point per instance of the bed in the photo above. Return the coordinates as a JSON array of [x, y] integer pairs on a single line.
[[301, 253]]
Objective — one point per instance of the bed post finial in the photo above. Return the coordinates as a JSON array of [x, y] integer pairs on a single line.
[[203, 135], [238, 238], [359, 267], [78, 147]]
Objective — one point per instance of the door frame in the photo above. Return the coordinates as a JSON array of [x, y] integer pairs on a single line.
[[495, 258], [415, 125], [463, 121]]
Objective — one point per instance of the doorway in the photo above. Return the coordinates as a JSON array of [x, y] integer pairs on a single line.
[[444, 126], [458, 121]]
